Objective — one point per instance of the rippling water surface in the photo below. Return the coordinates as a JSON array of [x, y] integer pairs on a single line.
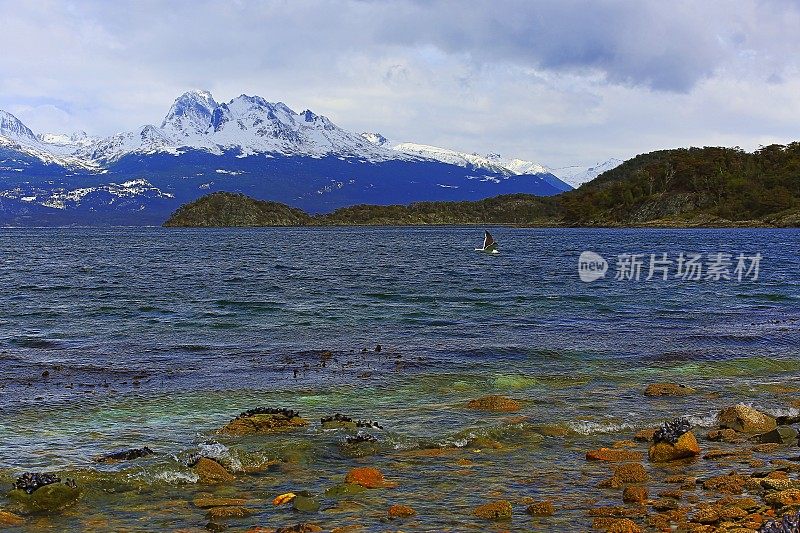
[[119, 338]]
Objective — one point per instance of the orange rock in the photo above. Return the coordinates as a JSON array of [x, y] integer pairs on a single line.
[[495, 403], [644, 435], [368, 477], [686, 446], [10, 519], [208, 502], [631, 473], [783, 498], [616, 525], [221, 513], [544, 508], [613, 455], [634, 494], [499, 510], [668, 389], [401, 511], [284, 498], [730, 484]]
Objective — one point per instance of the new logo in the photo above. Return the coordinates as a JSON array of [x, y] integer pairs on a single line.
[[591, 266]]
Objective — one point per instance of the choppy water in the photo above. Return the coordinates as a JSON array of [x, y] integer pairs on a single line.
[[128, 337]]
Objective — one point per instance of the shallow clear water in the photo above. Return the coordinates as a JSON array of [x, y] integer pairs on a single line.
[[159, 337]]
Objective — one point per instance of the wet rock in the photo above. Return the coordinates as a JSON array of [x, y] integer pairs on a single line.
[[126, 455], [300, 528], [613, 455], [263, 420], [635, 494], [611, 483], [706, 515], [499, 510], [631, 473], [305, 504], [685, 446], [368, 477], [401, 511], [779, 484], [788, 420], [543, 508], [665, 504], [209, 502], [340, 421], [788, 523], [211, 472], [767, 448], [668, 389], [783, 498], [8, 519], [495, 403], [616, 525], [50, 497], [724, 435], [644, 435], [779, 435], [720, 454], [617, 511], [746, 420], [671, 431], [360, 437], [222, 513], [730, 484], [344, 489], [30, 482]]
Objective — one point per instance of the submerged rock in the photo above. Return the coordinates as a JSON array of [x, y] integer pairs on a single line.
[[495, 403], [339, 420], [299, 528], [360, 437], [305, 504], [668, 389], [10, 519], [613, 455], [746, 419], [209, 502], [368, 477], [401, 511], [499, 510], [344, 489], [44, 492], [221, 513], [631, 473], [263, 420], [779, 435], [543, 508], [126, 455], [634, 494]]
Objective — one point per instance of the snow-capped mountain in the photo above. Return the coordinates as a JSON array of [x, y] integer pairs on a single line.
[[245, 145], [577, 175]]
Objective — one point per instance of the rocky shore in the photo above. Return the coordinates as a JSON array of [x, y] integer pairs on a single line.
[[742, 475]]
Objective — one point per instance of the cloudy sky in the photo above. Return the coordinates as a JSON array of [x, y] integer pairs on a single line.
[[559, 82]]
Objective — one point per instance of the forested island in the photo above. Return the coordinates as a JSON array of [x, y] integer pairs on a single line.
[[687, 187]]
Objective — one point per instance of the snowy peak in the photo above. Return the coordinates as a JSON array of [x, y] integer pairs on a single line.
[[13, 128], [190, 113], [578, 175], [375, 138]]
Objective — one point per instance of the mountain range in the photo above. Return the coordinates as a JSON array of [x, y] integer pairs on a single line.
[[247, 145]]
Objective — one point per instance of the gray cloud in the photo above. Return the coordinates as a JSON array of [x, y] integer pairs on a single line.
[[558, 81]]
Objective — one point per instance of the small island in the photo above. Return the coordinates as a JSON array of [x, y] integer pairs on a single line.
[[688, 187]]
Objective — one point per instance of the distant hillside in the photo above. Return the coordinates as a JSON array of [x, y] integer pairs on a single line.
[[224, 209], [716, 187], [709, 186]]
